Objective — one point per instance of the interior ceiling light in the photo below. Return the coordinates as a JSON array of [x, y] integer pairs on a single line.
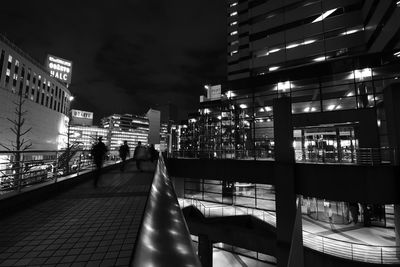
[[243, 106], [306, 42], [397, 54], [274, 50], [324, 15], [284, 85], [268, 109], [320, 58], [273, 68], [292, 46]]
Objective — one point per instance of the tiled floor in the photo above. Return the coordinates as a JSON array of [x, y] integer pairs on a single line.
[[85, 226]]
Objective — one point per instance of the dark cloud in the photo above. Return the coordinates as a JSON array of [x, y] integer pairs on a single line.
[[128, 55]]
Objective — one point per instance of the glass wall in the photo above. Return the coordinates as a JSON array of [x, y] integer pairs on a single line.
[[260, 196], [241, 124]]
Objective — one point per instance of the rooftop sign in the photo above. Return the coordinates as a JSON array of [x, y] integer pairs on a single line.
[[59, 68]]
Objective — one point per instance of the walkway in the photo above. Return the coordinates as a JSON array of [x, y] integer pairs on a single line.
[[84, 226]]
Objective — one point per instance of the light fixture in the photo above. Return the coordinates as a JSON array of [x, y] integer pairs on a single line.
[[361, 74], [268, 109], [318, 59], [273, 68], [71, 98], [306, 109], [283, 86], [274, 50], [206, 87], [306, 42], [349, 94], [261, 110], [292, 46], [324, 15], [331, 107], [230, 94], [243, 106], [397, 54]]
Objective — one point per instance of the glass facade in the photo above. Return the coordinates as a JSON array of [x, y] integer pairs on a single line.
[[260, 196], [241, 124]]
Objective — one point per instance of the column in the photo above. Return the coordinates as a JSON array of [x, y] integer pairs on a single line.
[[205, 251], [392, 110], [285, 198]]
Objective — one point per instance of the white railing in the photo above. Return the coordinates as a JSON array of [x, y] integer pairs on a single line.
[[327, 245]]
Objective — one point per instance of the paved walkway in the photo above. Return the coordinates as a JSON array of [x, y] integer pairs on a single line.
[[84, 226]]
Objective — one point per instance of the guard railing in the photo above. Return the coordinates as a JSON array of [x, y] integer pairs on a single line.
[[19, 169]]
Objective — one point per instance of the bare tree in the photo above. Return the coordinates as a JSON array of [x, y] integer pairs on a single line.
[[21, 143]]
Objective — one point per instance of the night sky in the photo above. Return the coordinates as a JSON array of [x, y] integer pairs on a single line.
[[127, 56]]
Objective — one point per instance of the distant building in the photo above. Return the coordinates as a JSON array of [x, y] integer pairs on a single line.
[[125, 127], [86, 136], [80, 117]]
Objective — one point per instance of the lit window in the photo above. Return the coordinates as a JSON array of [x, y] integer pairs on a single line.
[[8, 72], [397, 54], [234, 52], [233, 4], [234, 33], [234, 42], [324, 15], [9, 58], [233, 23], [273, 68], [233, 14], [17, 63]]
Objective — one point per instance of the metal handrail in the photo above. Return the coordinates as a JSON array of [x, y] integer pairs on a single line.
[[48, 165], [336, 247], [164, 238]]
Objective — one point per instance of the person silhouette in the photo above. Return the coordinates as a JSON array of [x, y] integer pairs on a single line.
[[99, 151], [123, 153], [140, 155]]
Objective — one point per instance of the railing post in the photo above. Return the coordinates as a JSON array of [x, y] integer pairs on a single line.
[[381, 256], [352, 256]]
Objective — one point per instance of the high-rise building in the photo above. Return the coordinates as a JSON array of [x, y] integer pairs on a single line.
[[268, 36], [125, 127], [311, 82]]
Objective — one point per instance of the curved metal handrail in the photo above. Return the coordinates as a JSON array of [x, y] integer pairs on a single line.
[[164, 238]]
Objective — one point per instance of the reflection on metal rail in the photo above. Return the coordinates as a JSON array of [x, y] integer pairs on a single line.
[[164, 238]]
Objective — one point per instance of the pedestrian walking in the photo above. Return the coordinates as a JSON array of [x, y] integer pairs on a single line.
[[99, 151], [123, 153], [140, 154], [153, 153]]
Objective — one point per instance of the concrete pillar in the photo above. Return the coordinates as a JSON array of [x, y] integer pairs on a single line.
[[205, 251], [285, 198], [392, 112]]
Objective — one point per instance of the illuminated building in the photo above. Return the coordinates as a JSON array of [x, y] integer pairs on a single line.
[[125, 127], [47, 100], [312, 82], [87, 136]]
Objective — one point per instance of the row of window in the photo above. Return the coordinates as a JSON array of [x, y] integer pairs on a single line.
[[33, 86]]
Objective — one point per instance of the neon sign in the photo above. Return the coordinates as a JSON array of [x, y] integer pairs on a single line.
[[59, 68]]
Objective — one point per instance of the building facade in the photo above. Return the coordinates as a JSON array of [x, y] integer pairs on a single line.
[[308, 82], [46, 100], [125, 127]]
